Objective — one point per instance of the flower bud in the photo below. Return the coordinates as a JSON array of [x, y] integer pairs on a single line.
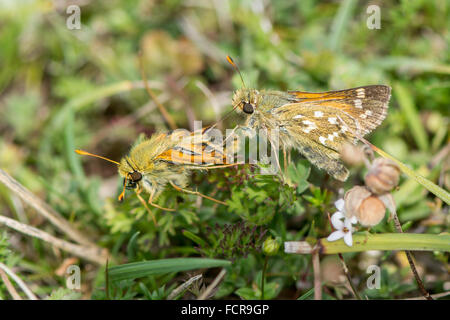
[[383, 176], [352, 155], [353, 199], [270, 246], [371, 211]]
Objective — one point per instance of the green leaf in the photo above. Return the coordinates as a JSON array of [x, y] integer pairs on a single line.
[[162, 266], [194, 238]]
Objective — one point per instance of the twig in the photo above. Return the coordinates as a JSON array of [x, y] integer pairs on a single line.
[[19, 281], [12, 291], [43, 209], [94, 254], [349, 279], [390, 204], [317, 278], [183, 286], [214, 284]]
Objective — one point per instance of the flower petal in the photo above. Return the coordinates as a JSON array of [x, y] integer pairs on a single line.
[[348, 239], [335, 236], [348, 223], [336, 220], [339, 204], [354, 220]]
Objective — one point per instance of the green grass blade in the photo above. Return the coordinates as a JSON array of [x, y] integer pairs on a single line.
[[162, 266], [340, 21], [412, 117]]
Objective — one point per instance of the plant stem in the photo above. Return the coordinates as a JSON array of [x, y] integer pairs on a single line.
[[263, 277], [317, 278], [384, 241], [409, 255], [349, 279]]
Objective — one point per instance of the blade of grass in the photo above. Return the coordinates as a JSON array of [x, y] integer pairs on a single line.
[[306, 295], [340, 21], [131, 247], [412, 65], [162, 266], [412, 117]]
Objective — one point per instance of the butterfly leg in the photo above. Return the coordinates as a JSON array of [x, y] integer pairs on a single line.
[[275, 153], [195, 193], [150, 201], [138, 191], [285, 160]]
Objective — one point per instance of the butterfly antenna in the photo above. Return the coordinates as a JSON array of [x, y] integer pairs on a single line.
[[230, 61], [226, 116], [85, 153]]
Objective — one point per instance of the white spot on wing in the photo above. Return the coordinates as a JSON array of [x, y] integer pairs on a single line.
[[332, 120], [318, 114], [361, 93], [322, 140], [358, 103], [299, 116]]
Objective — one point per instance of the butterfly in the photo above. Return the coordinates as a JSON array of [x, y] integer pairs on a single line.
[[168, 159], [318, 125]]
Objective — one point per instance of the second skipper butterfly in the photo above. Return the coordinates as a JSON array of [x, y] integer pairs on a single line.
[[316, 124]]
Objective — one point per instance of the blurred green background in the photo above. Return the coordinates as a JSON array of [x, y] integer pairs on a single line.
[[63, 89]]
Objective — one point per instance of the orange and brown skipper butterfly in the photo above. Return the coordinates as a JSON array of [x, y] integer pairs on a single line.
[[316, 124], [168, 159]]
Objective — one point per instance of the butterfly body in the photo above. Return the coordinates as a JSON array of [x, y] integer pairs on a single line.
[[316, 124]]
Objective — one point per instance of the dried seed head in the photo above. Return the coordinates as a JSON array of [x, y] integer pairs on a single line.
[[383, 176], [352, 155], [353, 199], [371, 211]]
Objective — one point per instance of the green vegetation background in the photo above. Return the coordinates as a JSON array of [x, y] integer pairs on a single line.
[[63, 89]]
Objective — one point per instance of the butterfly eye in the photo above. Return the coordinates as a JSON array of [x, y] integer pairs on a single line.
[[248, 108], [135, 176]]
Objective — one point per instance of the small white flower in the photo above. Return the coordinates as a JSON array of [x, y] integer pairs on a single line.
[[344, 228]]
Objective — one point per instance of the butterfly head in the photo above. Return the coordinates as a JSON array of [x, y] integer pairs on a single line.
[[132, 176], [246, 100]]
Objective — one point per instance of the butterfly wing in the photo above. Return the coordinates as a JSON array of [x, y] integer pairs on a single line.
[[366, 106], [195, 149]]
